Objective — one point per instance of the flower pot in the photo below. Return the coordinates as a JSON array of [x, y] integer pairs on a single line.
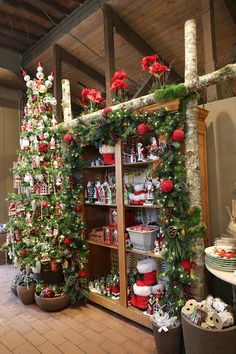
[[26, 294], [13, 288], [199, 340], [170, 342], [142, 240], [52, 304]]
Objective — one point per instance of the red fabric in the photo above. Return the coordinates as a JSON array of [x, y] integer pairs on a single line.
[[140, 301], [108, 159], [148, 279]]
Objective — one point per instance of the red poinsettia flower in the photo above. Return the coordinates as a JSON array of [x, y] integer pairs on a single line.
[[119, 75], [187, 265], [158, 68], [147, 61], [118, 84], [91, 95]]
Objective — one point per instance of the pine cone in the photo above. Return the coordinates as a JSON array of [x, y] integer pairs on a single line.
[[172, 231], [70, 281], [101, 121]]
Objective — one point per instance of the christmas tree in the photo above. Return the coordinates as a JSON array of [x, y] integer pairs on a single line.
[[45, 230]]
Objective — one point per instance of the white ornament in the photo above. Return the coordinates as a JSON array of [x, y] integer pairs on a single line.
[[28, 192], [33, 205], [37, 161], [48, 84], [40, 69], [40, 178], [26, 77], [27, 178], [45, 118], [25, 143], [50, 77], [40, 75], [42, 89], [46, 135], [37, 268], [30, 83]]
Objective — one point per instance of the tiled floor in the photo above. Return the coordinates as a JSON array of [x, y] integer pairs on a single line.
[[89, 329]]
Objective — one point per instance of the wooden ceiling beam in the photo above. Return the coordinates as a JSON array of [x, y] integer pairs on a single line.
[[20, 8], [54, 7], [13, 43], [23, 24], [78, 64], [75, 18], [18, 34], [231, 6], [13, 84], [136, 41]]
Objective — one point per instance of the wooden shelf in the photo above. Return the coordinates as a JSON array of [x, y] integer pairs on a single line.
[[104, 205], [98, 167], [129, 312], [146, 254], [143, 206], [137, 164], [101, 245]]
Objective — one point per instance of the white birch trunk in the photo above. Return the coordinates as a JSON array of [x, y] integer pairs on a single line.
[[66, 100], [192, 149]]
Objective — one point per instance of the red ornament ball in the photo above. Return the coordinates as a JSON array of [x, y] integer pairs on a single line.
[[106, 111], [44, 204], [23, 252], [67, 241], [78, 208], [178, 135], [67, 138], [142, 129], [82, 273], [167, 185]]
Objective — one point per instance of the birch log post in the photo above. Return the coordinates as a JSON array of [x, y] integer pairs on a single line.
[[192, 149], [66, 100]]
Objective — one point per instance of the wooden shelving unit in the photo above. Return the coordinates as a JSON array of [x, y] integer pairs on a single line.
[[97, 215]]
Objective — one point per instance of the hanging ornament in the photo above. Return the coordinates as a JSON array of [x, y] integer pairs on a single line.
[[142, 129], [186, 264], [48, 84], [29, 83], [23, 253], [67, 138], [44, 204], [172, 231], [40, 75], [42, 89], [37, 161], [78, 208], [101, 120], [178, 135], [67, 241], [51, 76], [37, 268], [54, 121], [33, 205], [27, 177], [166, 185], [40, 67], [106, 111], [25, 143]]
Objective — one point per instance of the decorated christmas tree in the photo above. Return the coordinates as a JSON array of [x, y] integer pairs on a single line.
[[45, 230]]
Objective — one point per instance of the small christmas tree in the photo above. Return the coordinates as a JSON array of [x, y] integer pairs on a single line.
[[45, 227]]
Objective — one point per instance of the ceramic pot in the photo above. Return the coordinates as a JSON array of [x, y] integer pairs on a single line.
[[52, 304], [14, 288], [26, 294], [170, 342]]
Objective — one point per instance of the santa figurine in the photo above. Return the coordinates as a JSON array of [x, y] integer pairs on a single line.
[[143, 288], [140, 150]]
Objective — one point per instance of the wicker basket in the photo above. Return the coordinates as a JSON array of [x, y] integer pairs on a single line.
[[198, 340], [52, 304], [170, 342]]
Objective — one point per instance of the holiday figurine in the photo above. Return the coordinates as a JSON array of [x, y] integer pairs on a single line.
[[133, 156], [150, 192], [151, 305], [153, 149], [140, 150], [115, 288]]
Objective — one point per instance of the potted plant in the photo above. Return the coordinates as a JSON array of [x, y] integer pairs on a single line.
[[15, 281], [26, 289], [51, 297]]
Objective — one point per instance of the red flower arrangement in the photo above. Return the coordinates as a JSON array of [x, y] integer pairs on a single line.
[[155, 68], [93, 96], [119, 85]]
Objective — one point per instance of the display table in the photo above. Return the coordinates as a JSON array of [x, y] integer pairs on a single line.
[[228, 277]]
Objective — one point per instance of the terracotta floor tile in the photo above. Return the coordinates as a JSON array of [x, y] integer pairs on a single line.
[[76, 325], [54, 337], [114, 323], [73, 336], [91, 348], [94, 336], [26, 349], [4, 328], [95, 325], [132, 333], [40, 326], [12, 340], [48, 348], [4, 350], [34, 338], [20, 326], [69, 348], [113, 348], [114, 336], [149, 343], [57, 325], [135, 348]]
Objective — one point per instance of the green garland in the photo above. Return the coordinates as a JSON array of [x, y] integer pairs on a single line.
[[180, 223]]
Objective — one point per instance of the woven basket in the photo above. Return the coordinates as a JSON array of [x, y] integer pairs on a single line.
[[52, 304]]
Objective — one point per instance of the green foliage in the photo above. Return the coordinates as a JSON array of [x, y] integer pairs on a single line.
[[171, 92]]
